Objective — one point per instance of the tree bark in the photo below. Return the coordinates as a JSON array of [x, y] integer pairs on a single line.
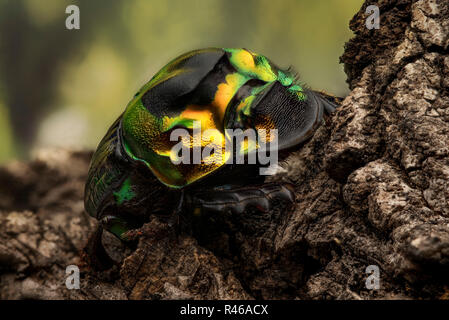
[[372, 189]]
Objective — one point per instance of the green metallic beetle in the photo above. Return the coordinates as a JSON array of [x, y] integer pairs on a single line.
[[132, 174]]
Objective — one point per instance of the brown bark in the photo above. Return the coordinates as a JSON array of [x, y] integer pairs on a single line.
[[372, 188]]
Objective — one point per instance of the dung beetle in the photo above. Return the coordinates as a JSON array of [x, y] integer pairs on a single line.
[[132, 174]]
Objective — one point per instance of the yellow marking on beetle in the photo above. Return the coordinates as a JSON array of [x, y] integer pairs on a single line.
[[205, 116], [252, 64], [248, 145], [188, 117], [245, 59], [244, 107], [226, 91]]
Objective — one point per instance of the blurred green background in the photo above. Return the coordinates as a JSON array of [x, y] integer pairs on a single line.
[[62, 87]]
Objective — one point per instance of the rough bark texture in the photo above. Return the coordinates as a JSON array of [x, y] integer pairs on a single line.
[[372, 188]]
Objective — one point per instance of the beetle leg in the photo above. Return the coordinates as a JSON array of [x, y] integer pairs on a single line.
[[174, 218], [237, 200], [95, 254], [118, 226], [330, 102], [328, 107]]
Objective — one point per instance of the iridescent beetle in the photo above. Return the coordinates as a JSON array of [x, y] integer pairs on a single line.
[[132, 175]]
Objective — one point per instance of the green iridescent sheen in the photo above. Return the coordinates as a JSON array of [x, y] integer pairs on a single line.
[[163, 169], [125, 193], [295, 88], [261, 70], [284, 78]]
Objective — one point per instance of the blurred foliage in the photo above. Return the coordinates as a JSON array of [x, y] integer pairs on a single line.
[[65, 87]]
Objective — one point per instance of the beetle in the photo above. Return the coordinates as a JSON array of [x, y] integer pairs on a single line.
[[132, 174]]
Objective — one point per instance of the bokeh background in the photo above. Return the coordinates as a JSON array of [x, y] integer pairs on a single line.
[[62, 87]]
